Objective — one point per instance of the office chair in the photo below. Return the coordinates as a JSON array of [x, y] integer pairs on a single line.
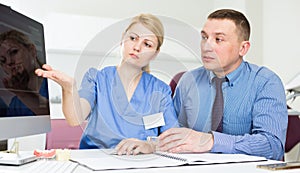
[[293, 129], [174, 81], [63, 136], [293, 135]]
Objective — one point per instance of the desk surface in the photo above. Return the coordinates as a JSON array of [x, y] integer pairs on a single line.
[[249, 167]]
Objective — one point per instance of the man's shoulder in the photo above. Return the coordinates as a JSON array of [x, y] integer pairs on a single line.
[[261, 71], [194, 78], [194, 74]]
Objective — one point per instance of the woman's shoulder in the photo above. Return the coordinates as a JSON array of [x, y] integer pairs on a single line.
[[155, 81], [94, 74], [105, 70]]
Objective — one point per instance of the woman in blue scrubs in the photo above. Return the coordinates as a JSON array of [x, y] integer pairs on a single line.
[[124, 104]]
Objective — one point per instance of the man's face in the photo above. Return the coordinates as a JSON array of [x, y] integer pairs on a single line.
[[220, 46]]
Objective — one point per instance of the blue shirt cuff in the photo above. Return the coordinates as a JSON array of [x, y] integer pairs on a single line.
[[223, 143]]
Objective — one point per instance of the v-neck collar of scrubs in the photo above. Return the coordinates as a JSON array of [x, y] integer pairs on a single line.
[[128, 108]]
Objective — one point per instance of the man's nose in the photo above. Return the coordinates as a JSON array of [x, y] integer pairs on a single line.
[[206, 45]]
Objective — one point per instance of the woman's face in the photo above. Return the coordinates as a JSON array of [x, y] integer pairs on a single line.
[[18, 64], [139, 46], [15, 58]]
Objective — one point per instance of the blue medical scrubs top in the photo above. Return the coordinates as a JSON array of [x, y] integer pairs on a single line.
[[114, 118], [18, 108]]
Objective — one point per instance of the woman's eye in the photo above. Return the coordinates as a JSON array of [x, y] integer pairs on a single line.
[[132, 38], [13, 52], [2, 60], [148, 45]]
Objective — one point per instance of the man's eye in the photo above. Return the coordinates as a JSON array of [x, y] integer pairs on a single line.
[[219, 40], [204, 37]]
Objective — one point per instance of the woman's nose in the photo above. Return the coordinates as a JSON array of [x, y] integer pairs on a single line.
[[137, 46]]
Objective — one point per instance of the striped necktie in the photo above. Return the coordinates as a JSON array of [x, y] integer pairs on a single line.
[[218, 106]]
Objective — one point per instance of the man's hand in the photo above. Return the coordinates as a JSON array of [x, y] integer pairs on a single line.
[[177, 140], [134, 147]]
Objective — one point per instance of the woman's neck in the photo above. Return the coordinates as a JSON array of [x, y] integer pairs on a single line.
[[130, 78]]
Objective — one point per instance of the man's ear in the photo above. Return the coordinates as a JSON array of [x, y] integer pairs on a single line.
[[245, 46]]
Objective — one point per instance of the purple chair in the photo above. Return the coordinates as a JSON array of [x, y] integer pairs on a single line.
[[63, 136], [293, 133], [174, 81]]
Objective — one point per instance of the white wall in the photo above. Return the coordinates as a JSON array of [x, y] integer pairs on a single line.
[[281, 39], [71, 25]]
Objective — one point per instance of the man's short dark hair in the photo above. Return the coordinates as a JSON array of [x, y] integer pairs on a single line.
[[241, 22]]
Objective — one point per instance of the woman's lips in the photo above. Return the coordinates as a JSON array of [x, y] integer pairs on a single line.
[[132, 55]]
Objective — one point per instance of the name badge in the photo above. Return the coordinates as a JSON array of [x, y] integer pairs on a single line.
[[154, 120]]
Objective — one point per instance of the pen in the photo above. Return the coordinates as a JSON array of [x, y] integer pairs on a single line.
[[152, 138]]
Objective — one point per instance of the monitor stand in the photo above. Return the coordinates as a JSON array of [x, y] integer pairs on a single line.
[[14, 157]]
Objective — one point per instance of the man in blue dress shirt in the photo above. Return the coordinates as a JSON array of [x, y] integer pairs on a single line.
[[255, 114]]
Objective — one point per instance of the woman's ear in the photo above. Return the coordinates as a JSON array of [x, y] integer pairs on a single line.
[[245, 45]]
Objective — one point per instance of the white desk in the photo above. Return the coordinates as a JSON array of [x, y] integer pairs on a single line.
[[222, 168]]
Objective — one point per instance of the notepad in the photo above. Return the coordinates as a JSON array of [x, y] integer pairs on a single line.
[[110, 161]]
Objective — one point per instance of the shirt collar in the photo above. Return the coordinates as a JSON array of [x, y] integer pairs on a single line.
[[231, 77]]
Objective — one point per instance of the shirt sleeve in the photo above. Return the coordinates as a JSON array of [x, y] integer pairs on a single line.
[[269, 125], [168, 110], [88, 87], [187, 105], [178, 105]]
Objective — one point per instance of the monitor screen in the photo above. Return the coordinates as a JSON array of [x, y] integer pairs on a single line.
[[24, 97]]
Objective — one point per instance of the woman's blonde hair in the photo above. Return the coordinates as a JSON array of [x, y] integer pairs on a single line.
[[20, 38], [152, 23]]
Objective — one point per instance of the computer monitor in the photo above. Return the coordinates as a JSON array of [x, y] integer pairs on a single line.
[[24, 97]]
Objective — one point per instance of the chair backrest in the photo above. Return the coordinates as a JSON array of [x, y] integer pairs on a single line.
[[63, 136], [174, 81], [293, 132]]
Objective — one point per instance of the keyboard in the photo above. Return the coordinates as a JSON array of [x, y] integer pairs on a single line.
[[52, 166]]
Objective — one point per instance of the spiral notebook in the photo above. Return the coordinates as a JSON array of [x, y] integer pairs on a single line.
[[109, 161]]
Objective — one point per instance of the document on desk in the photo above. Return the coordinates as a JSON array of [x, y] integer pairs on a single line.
[[212, 158], [160, 159]]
